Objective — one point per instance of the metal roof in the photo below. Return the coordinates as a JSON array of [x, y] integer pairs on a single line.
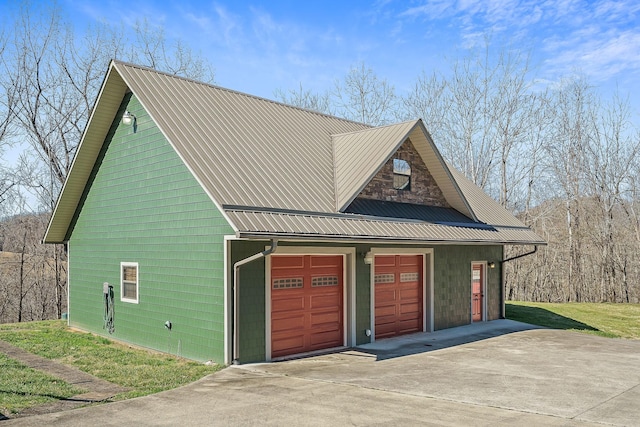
[[243, 149], [355, 227], [277, 160], [360, 155], [387, 209], [485, 208]]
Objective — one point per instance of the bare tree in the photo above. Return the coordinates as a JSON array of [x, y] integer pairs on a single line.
[[59, 74], [305, 98], [28, 269], [429, 100], [8, 99], [611, 161], [50, 82], [151, 48], [364, 97]]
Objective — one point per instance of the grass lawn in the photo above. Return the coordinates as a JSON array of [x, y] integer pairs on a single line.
[[22, 387], [608, 320], [144, 372]]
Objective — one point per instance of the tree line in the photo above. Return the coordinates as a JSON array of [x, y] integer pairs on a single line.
[[558, 155]]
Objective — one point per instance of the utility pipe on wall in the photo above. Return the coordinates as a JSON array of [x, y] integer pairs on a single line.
[[236, 298]]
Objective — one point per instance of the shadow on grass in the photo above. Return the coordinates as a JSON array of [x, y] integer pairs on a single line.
[[543, 317]]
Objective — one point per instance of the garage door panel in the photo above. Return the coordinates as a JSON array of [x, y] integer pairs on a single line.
[[385, 294], [385, 260], [410, 308], [398, 295], [323, 301], [326, 339], [287, 262], [410, 293], [288, 323], [287, 345], [409, 260], [386, 310], [332, 317], [385, 330], [409, 326], [326, 261], [309, 317], [287, 303]]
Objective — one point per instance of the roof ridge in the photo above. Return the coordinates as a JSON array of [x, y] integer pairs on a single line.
[[236, 92], [376, 127]]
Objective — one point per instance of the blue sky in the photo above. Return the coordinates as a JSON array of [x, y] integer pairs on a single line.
[[257, 47]]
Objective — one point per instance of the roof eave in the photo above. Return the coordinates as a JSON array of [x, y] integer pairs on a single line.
[[467, 207], [340, 207], [86, 153], [382, 239]]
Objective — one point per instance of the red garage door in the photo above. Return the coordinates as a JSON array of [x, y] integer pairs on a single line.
[[398, 295], [306, 303]]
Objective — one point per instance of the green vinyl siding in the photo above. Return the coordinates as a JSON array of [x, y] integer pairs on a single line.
[[142, 205], [363, 295], [452, 283], [252, 297], [452, 289]]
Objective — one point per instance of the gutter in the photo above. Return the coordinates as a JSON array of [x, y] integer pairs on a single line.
[[535, 249], [235, 291]]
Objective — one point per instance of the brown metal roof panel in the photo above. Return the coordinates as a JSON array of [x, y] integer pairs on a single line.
[[439, 170], [485, 208], [318, 226], [359, 155], [253, 139]]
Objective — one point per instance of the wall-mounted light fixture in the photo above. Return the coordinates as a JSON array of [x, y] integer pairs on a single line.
[[368, 258], [128, 118], [492, 264]]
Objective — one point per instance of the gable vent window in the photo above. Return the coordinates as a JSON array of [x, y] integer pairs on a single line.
[[401, 175]]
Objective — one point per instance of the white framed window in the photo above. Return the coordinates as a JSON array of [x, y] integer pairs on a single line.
[[129, 280]]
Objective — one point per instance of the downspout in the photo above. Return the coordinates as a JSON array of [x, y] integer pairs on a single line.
[[502, 311], [236, 299]]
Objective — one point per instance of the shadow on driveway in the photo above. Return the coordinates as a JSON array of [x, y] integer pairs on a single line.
[[425, 342]]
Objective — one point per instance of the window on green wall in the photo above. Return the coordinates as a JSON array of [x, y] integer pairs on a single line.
[[129, 282]]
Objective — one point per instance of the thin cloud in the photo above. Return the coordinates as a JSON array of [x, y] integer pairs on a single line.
[[599, 38]]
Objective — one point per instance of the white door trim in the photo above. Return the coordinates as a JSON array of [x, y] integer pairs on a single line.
[[349, 291], [485, 291], [427, 284]]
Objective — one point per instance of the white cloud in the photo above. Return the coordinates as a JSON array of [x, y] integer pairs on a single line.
[[600, 38]]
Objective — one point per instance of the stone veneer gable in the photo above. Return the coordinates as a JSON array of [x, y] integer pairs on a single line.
[[424, 190]]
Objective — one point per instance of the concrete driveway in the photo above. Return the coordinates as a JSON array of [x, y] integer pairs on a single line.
[[496, 373]]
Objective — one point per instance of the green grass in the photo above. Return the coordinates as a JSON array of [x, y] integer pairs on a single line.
[[608, 320], [22, 387], [144, 372]]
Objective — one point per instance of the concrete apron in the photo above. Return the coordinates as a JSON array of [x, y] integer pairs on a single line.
[[499, 364], [531, 377]]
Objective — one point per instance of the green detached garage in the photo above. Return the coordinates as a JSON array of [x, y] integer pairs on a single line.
[[221, 226]]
